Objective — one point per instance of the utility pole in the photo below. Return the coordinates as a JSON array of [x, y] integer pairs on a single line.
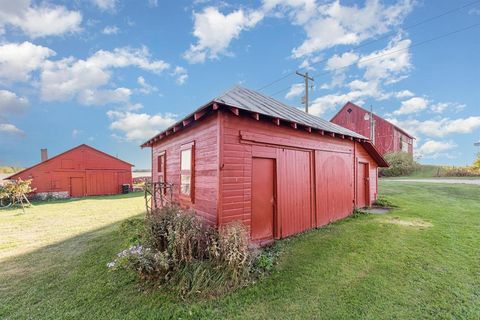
[[306, 77]]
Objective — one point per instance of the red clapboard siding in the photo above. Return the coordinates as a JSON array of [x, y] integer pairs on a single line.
[[204, 135], [314, 179]]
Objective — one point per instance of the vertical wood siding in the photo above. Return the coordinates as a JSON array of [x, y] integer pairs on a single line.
[[315, 173], [294, 195], [334, 186], [101, 174], [387, 136]]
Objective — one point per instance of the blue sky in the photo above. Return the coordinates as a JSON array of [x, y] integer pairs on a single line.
[[113, 73]]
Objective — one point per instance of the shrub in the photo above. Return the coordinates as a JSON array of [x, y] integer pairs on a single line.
[[179, 251], [461, 172], [476, 163], [233, 246], [383, 202], [265, 260], [401, 164], [357, 213]]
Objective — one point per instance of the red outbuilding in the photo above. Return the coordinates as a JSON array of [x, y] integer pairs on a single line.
[[387, 137], [245, 156], [78, 172]]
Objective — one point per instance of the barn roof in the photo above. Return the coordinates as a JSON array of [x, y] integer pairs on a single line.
[[253, 101], [375, 115], [63, 153], [240, 98]]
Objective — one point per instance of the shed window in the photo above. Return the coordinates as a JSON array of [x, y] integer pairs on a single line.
[[162, 167], [187, 165]]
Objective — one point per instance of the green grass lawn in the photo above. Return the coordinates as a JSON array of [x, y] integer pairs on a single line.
[[420, 261]]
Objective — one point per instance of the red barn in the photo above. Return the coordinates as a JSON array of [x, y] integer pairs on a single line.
[[78, 172], [245, 156], [387, 136]]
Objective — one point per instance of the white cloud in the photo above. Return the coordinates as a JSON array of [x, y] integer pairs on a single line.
[[330, 102], [10, 129], [299, 11], [68, 78], [144, 86], [181, 75], [38, 20], [95, 97], [339, 65], [404, 94], [412, 105], [105, 4], [342, 61], [10, 103], [389, 63], [214, 32], [439, 127], [334, 24], [295, 90], [76, 133], [359, 90], [443, 106], [474, 11], [109, 30], [153, 3], [18, 60], [139, 126], [433, 148]]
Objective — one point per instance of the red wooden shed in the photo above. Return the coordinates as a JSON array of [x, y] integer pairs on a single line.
[[245, 156], [387, 137], [78, 172]]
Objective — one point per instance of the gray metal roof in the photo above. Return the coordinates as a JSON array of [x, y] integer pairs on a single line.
[[253, 101]]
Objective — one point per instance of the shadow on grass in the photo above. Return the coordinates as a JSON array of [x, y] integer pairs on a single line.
[[106, 197], [63, 273]]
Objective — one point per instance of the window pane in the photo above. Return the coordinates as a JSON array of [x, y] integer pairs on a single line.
[[186, 159], [160, 163], [185, 184]]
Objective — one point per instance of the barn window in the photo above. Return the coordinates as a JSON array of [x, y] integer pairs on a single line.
[[349, 110], [187, 165], [403, 144]]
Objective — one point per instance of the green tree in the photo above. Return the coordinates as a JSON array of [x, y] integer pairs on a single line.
[[401, 164]]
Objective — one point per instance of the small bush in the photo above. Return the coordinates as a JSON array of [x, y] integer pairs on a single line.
[[383, 202], [179, 251], [357, 213], [264, 262], [400, 164]]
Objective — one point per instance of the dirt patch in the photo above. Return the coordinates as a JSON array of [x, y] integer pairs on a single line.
[[408, 223], [377, 210]]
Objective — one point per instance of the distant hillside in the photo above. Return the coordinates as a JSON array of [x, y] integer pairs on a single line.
[[428, 171]]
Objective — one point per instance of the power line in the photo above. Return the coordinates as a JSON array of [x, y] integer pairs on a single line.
[[390, 52], [387, 35]]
